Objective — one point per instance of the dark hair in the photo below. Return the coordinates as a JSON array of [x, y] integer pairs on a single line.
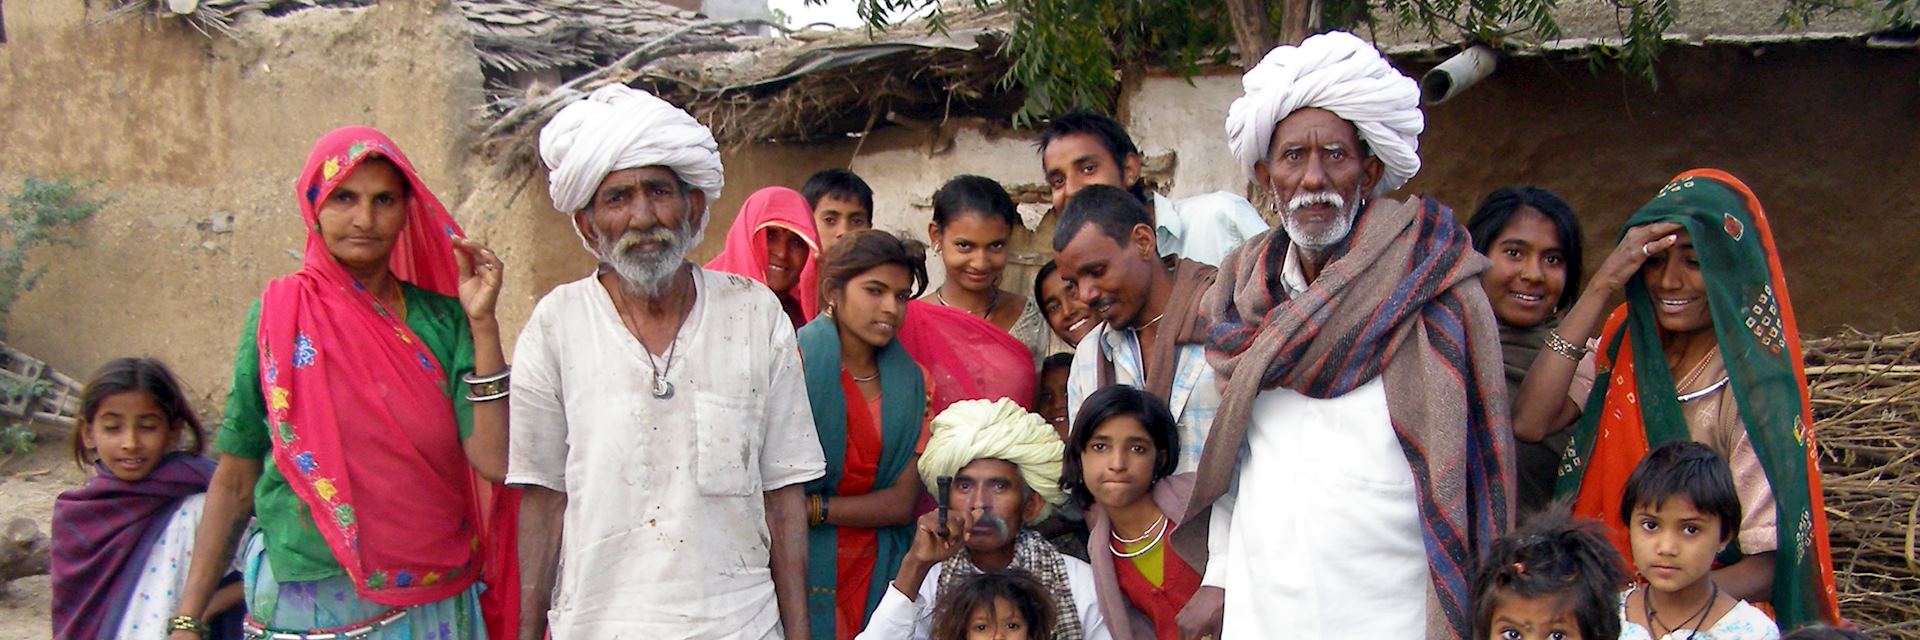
[[137, 374], [839, 183], [1115, 212], [1497, 210], [1553, 556], [869, 248], [1040, 277], [1107, 131], [1030, 598], [1111, 402], [1824, 632], [1689, 470], [976, 195], [1056, 361]]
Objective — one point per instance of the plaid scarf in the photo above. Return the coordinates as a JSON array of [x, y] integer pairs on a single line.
[[1401, 299], [102, 534], [1031, 554]]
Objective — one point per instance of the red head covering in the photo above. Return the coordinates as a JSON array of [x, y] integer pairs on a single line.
[[746, 250], [358, 409]]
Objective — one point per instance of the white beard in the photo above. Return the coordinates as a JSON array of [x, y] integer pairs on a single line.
[[647, 274], [1334, 232]]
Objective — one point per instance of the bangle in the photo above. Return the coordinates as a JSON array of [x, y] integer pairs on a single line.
[[492, 387], [473, 379], [187, 623], [813, 511], [823, 508], [1566, 349]]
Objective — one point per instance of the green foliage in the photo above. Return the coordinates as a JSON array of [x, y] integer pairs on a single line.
[[16, 438], [1897, 14], [1065, 52], [39, 214]]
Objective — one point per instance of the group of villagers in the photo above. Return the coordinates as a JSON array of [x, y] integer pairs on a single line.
[[1367, 421]]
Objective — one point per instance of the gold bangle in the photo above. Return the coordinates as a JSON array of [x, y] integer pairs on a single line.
[[1566, 349], [187, 623]]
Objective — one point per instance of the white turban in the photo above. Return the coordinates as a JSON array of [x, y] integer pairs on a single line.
[[618, 127], [972, 430], [1338, 72]]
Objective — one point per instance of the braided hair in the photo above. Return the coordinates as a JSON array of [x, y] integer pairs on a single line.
[[1553, 556]]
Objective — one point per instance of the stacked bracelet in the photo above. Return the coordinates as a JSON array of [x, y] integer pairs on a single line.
[[1566, 349], [489, 388], [816, 510], [187, 623]]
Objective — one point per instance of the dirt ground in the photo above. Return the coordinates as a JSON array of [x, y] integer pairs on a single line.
[[28, 484]]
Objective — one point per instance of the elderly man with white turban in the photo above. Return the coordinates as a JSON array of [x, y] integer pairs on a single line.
[[1361, 455], [1004, 463], [661, 424]]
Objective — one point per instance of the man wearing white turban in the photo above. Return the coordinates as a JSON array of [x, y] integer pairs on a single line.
[[660, 416], [1004, 463], [1362, 418]]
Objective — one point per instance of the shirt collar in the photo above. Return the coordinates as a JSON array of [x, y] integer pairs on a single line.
[[1291, 274]]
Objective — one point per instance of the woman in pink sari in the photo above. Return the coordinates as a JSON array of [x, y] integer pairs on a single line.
[[356, 423], [772, 241]]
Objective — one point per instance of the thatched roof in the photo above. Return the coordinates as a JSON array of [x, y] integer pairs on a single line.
[[805, 87], [812, 85]]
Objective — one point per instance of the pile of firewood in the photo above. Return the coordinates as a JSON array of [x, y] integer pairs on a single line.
[[1866, 406]]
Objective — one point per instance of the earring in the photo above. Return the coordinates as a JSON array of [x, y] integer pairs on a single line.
[[829, 310]]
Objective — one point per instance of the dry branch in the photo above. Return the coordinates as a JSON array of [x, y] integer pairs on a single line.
[[1866, 405]]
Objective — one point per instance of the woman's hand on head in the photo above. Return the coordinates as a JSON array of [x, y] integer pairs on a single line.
[[480, 272], [1625, 260]]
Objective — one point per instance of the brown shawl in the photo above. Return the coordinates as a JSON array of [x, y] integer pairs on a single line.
[[1186, 325]]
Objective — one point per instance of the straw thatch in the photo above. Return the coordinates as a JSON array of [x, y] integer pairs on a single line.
[[1866, 406]]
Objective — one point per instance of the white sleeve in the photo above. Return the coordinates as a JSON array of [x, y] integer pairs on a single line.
[[790, 452], [1084, 375], [1093, 617], [1218, 526], [897, 618], [536, 411]]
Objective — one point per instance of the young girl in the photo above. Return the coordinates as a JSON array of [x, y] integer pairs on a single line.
[[995, 606], [1119, 457], [122, 542], [1682, 510], [1553, 579]]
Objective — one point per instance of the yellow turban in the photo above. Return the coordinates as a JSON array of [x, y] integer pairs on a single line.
[[972, 430]]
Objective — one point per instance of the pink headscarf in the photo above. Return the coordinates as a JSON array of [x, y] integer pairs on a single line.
[[746, 250]]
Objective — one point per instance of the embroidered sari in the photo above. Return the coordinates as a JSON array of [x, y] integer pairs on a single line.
[[848, 568], [1633, 406], [359, 409]]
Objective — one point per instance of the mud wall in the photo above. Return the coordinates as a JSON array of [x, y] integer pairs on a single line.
[[185, 131]]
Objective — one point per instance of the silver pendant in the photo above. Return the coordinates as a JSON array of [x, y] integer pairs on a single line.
[[662, 389]]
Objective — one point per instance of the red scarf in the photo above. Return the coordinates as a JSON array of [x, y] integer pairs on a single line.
[[746, 250], [360, 416]]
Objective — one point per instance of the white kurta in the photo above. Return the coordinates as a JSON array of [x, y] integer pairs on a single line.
[[1330, 544], [665, 527], [897, 618]]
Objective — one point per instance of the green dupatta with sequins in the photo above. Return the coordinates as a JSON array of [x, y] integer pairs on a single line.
[[1633, 406]]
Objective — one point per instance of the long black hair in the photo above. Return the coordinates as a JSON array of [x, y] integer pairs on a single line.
[[1497, 210]]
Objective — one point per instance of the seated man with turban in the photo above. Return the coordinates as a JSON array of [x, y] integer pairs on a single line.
[[660, 418], [1362, 426], [1005, 468]]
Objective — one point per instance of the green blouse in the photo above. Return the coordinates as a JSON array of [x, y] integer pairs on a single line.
[[294, 546]]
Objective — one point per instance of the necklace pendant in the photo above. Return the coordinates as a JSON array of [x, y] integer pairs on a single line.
[[662, 389]]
